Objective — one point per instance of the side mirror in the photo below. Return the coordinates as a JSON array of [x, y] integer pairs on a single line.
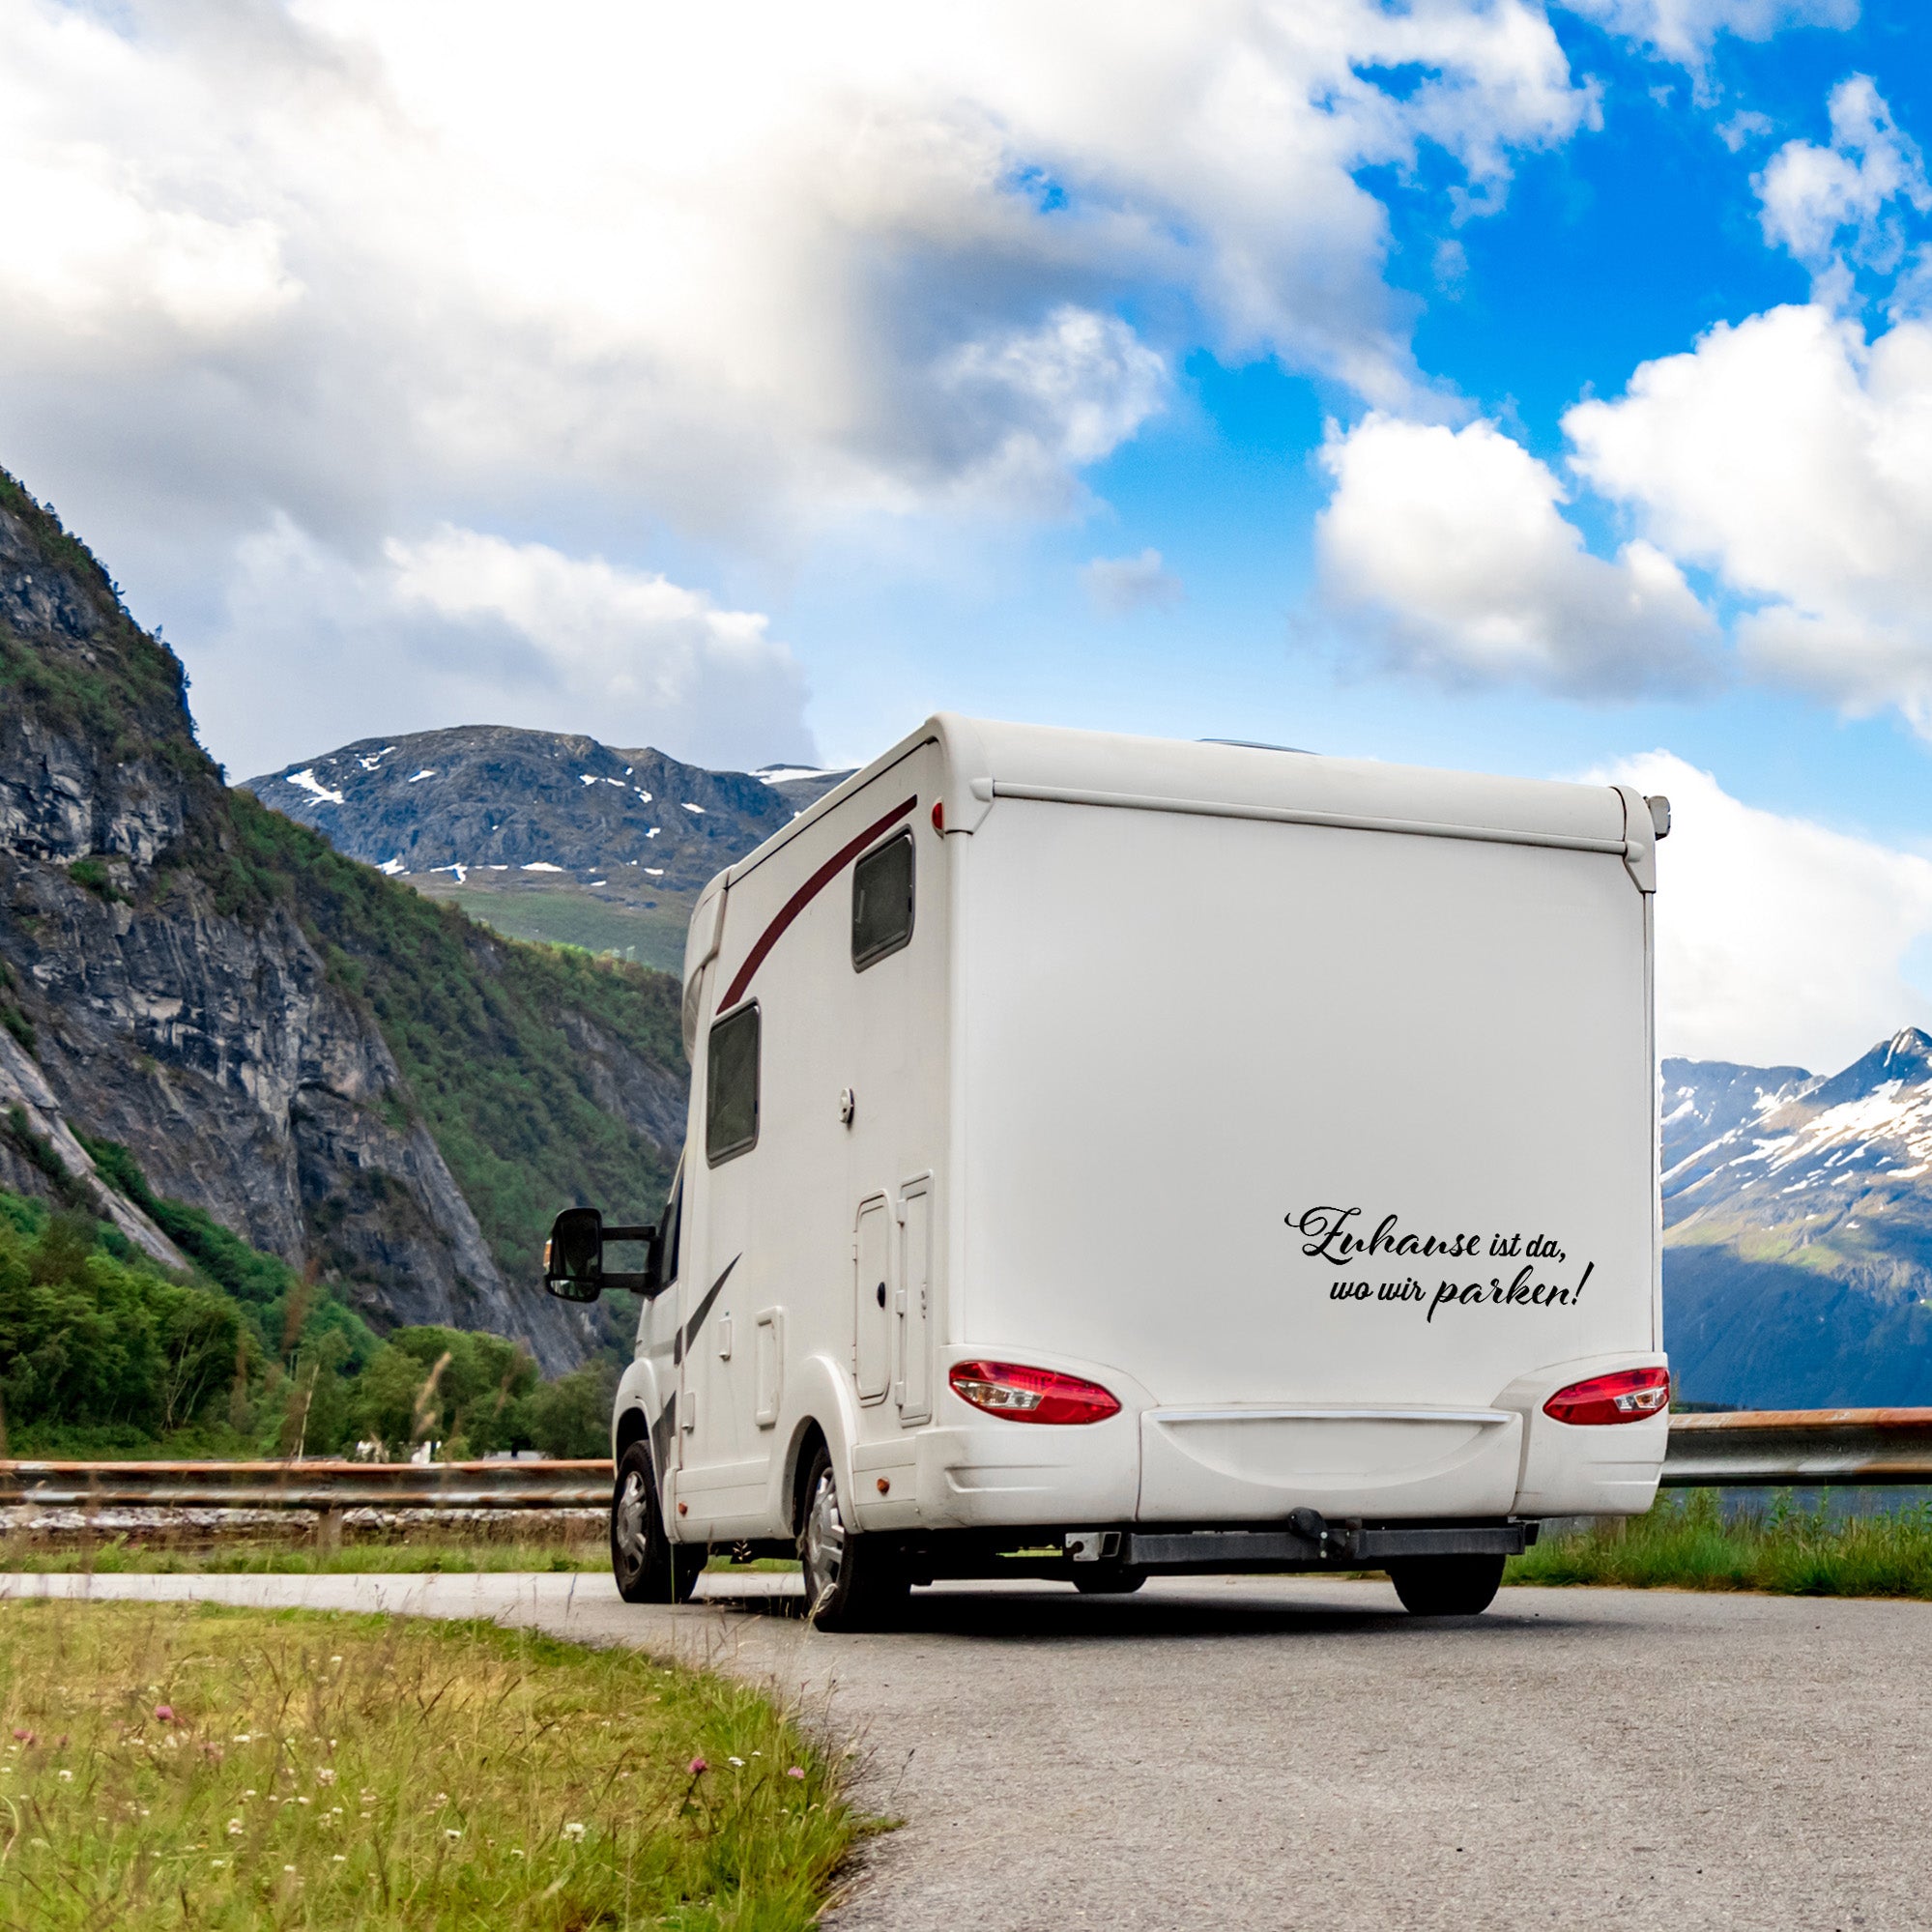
[[573, 1258]]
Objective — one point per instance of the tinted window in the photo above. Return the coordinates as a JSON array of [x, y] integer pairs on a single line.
[[882, 901], [673, 1216], [731, 1086]]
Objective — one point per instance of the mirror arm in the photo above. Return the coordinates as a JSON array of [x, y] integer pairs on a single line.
[[643, 1283]]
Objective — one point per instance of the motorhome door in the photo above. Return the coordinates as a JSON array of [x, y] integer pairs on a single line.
[[912, 1303], [872, 1297]]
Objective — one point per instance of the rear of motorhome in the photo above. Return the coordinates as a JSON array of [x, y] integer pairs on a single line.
[[1109, 1157]]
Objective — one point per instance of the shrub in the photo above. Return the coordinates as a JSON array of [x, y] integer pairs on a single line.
[[87, 1339], [571, 1416]]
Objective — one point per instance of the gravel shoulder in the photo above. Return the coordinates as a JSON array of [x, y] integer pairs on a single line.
[[1268, 1753]]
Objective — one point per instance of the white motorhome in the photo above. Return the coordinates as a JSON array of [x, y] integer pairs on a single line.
[[1110, 1156]]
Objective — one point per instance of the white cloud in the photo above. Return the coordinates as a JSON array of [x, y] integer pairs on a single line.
[[1448, 549], [1055, 398], [349, 270], [1778, 940], [1745, 125], [844, 257], [1119, 584], [1792, 458], [1837, 208], [465, 627], [1684, 30]]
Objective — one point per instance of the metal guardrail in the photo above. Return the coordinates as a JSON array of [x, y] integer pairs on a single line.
[[306, 1486], [1758, 1449], [1798, 1449]]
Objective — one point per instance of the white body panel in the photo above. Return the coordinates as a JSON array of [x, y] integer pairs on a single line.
[[1176, 1025]]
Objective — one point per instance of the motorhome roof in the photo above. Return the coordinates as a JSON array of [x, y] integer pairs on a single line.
[[987, 760]]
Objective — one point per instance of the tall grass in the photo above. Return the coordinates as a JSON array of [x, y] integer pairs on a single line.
[[420, 1555], [192, 1764], [1687, 1543], [456, 1551]]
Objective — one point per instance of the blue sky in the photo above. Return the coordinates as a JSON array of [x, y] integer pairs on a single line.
[[1622, 244], [1478, 383]]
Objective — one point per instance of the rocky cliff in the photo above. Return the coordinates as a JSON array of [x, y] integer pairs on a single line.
[[183, 973]]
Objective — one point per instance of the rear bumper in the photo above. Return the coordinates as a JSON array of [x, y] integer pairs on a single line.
[[1250, 1465], [1257, 1463]]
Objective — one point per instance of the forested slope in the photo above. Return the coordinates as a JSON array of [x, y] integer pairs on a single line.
[[338, 1072]]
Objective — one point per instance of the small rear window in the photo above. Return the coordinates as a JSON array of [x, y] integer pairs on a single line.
[[731, 1086], [882, 902]]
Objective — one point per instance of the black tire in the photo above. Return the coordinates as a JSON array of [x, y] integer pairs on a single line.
[[1446, 1586], [1107, 1579], [648, 1566], [853, 1582]]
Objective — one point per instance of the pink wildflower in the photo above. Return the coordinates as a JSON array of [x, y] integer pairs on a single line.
[[698, 1766], [796, 1771], [25, 1737], [164, 1713]]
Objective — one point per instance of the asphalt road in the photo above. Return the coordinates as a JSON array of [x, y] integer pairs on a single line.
[[1268, 1753]]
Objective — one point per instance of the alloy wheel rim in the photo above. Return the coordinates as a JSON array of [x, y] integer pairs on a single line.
[[825, 1534], [630, 1529]]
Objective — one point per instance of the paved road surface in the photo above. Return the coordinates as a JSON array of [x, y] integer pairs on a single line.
[[1262, 1752]]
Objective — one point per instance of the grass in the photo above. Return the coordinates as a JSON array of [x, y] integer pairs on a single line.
[[447, 1553], [1686, 1543], [569, 916], [288, 1556], [175, 1764]]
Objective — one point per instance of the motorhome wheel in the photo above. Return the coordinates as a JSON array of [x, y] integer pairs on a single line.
[[850, 1582], [649, 1568], [1446, 1586]]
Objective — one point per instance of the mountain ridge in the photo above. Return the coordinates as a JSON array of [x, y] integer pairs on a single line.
[[1798, 1217], [280, 1038], [477, 796], [542, 835]]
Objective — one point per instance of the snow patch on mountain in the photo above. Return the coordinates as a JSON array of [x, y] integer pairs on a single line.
[[305, 780]]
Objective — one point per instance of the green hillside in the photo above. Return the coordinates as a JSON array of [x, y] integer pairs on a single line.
[[102, 1353], [481, 1028], [329, 1067]]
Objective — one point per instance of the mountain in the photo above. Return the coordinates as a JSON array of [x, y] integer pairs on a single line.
[[203, 1002], [540, 834], [1797, 1215], [1703, 1100]]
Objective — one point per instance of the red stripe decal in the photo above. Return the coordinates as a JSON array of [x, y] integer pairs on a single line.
[[803, 897]]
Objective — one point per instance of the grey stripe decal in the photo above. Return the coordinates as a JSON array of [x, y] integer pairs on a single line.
[[664, 1430], [689, 1333], [663, 1440]]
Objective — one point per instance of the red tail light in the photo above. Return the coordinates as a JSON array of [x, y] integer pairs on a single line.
[[1030, 1395], [1629, 1394]]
